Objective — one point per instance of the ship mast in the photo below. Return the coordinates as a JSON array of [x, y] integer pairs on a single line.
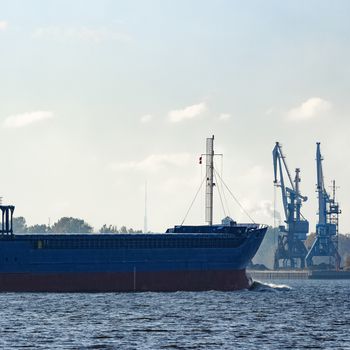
[[209, 181]]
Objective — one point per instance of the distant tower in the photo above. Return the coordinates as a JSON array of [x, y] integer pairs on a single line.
[[145, 228]]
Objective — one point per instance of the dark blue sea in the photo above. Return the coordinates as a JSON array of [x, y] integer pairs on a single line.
[[285, 315]]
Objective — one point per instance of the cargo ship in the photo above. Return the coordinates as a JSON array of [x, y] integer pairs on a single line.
[[184, 258]]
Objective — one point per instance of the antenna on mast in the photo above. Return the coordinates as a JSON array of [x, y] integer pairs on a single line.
[[209, 181]]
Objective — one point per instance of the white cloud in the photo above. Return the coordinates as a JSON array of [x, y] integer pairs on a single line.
[[224, 117], [79, 33], [3, 25], [249, 186], [189, 112], [155, 162], [146, 118], [24, 119], [311, 108], [269, 111]]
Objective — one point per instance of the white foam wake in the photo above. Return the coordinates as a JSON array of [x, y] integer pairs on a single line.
[[258, 286]]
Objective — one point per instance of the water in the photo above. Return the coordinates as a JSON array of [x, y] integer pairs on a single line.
[[285, 315]]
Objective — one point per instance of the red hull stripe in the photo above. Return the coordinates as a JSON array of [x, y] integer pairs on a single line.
[[222, 280]]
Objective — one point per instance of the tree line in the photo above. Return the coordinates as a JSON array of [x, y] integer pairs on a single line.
[[266, 252], [66, 225]]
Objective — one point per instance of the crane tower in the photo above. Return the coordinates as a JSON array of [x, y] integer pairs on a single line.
[[326, 241], [290, 251]]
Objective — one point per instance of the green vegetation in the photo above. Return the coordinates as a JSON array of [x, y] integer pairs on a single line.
[[38, 229], [343, 246], [66, 225], [109, 229], [69, 224], [20, 225], [114, 229], [265, 254], [63, 225]]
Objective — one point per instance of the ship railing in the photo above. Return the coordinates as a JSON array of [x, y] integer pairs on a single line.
[[253, 226]]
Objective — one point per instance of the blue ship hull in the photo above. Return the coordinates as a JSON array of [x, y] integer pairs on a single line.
[[172, 261]]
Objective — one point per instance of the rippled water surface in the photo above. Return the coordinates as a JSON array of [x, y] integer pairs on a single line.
[[309, 314]]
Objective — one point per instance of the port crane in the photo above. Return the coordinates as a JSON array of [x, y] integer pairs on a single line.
[[290, 251], [326, 241]]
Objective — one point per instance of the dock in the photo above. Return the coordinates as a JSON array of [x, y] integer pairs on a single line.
[[298, 274]]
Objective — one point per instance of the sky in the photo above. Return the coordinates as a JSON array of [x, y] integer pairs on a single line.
[[99, 97]]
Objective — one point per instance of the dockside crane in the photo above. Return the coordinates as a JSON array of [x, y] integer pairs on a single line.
[[326, 241], [290, 251]]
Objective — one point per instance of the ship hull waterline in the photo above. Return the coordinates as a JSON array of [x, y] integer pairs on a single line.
[[94, 282]]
